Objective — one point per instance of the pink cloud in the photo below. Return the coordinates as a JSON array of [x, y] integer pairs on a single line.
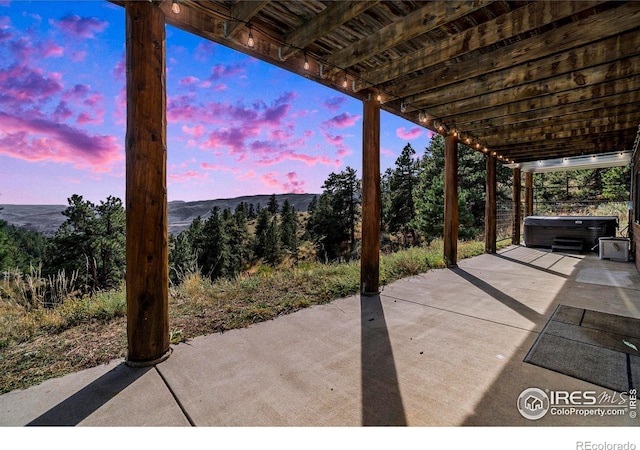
[[343, 120], [413, 133], [86, 119], [221, 71], [220, 87], [291, 184], [187, 176], [270, 179], [52, 50], [119, 71], [197, 131], [333, 140], [387, 152], [334, 103], [81, 27], [204, 50], [37, 139], [21, 85], [188, 81], [218, 167], [78, 56]]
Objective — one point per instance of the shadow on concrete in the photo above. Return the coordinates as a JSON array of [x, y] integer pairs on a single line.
[[503, 298], [497, 407], [532, 266], [89, 399], [381, 399]]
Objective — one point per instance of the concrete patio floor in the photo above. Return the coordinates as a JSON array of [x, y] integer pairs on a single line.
[[444, 348]]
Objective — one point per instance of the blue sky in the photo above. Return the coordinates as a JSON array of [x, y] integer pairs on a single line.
[[236, 126]]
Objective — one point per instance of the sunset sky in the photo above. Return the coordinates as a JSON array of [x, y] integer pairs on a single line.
[[236, 126]]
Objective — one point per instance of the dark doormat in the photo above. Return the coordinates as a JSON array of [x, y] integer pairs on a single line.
[[592, 346]]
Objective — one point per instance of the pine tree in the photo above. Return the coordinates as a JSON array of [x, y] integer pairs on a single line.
[[289, 228], [402, 181], [273, 207], [214, 259]]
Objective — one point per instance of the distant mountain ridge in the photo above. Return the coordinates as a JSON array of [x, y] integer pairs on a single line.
[[46, 219]]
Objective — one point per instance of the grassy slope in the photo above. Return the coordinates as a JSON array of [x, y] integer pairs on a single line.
[[40, 344]]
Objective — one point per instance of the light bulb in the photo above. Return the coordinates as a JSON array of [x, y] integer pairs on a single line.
[[379, 98], [175, 7], [306, 63], [250, 42], [403, 108], [344, 83]]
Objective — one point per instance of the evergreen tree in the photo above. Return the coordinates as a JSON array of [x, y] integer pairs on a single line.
[[214, 259], [91, 241], [333, 220], [289, 228], [429, 197], [401, 183], [273, 207], [182, 258]]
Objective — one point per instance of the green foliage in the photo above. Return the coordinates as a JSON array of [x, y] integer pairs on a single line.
[[20, 248], [91, 242], [583, 185], [332, 220], [401, 183]]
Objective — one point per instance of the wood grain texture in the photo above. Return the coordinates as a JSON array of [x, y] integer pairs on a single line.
[[451, 220], [146, 190], [490, 211], [370, 259]]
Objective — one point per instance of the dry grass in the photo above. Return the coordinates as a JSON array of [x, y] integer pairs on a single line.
[[41, 343]]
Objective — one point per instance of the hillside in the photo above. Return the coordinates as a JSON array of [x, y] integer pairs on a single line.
[[47, 218]]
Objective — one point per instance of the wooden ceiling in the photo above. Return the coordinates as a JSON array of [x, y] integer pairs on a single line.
[[528, 80]]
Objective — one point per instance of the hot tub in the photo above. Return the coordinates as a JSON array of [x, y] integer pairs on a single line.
[[542, 231]]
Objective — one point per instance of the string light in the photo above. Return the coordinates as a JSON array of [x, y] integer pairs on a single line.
[[345, 82], [379, 98], [306, 62], [403, 108], [250, 42], [175, 7]]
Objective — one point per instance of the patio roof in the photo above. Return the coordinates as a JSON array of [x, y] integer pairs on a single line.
[[526, 80]]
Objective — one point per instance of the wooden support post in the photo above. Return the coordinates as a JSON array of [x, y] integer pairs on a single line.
[[370, 258], [516, 206], [490, 210], [451, 201], [146, 186], [528, 194]]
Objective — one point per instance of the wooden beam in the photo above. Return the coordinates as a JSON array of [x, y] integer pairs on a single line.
[[370, 257], [547, 102], [241, 13], [575, 115], [147, 277], [414, 24], [451, 221], [572, 62], [332, 17], [576, 34], [559, 86], [553, 134], [490, 211], [500, 29], [516, 204], [528, 194]]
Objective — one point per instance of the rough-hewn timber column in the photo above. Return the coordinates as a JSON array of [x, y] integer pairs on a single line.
[[370, 259], [528, 194], [516, 205], [490, 210], [146, 195], [451, 201]]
